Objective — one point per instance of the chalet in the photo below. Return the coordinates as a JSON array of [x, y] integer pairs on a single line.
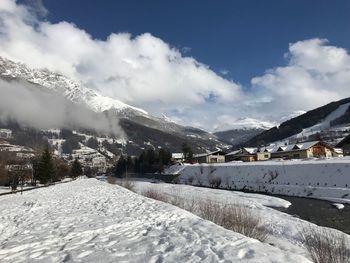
[[345, 145], [293, 151], [338, 152], [303, 150], [243, 154], [212, 157]]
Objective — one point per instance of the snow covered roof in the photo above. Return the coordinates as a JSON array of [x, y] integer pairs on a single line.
[[209, 153], [251, 150], [177, 155], [234, 152], [306, 145]]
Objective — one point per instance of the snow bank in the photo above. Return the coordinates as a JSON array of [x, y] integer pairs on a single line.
[[323, 179], [284, 229], [91, 221]]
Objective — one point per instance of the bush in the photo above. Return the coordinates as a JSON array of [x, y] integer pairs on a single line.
[[156, 195], [326, 246], [127, 183], [111, 180], [237, 218]]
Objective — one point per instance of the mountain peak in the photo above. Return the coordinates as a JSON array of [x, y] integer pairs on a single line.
[[75, 91]]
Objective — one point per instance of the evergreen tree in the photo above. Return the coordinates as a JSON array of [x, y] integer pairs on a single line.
[[92, 143], [120, 167], [187, 151], [45, 169], [76, 170]]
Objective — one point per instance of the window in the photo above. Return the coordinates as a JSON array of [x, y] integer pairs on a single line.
[[266, 156]]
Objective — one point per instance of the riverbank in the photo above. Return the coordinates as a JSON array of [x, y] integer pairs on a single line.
[[327, 179]]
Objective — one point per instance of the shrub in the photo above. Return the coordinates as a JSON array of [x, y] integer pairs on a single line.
[[237, 218], [156, 195], [214, 182], [326, 246], [127, 183], [111, 180]]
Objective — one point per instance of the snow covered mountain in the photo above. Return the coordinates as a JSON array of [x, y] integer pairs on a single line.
[[242, 130], [330, 123], [75, 91], [140, 127]]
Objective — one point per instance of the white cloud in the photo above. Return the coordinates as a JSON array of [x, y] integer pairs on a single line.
[[317, 73], [146, 72], [224, 71], [186, 50], [143, 71]]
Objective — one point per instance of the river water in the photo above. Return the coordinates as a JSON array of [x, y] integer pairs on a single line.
[[319, 212]]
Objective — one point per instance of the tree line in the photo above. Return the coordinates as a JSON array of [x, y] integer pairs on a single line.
[[43, 169], [149, 161]]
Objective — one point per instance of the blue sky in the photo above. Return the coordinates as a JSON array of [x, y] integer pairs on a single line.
[[210, 64], [244, 37]]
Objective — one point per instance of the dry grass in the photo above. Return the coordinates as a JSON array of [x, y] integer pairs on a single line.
[[326, 246], [111, 179], [237, 218], [127, 183], [156, 195]]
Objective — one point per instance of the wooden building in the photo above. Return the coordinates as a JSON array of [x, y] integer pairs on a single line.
[[212, 157]]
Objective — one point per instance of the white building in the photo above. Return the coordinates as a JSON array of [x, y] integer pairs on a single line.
[[5, 133]]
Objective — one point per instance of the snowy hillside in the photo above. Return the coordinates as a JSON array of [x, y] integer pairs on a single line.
[[73, 90], [330, 123], [245, 124], [324, 124], [137, 124], [91, 221], [324, 179]]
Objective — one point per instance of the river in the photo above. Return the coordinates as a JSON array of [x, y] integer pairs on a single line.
[[319, 212]]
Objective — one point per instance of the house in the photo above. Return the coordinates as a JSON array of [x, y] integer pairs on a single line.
[[90, 157], [211, 157], [338, 152], [293, 151], [5, 133], [303, 150], [177, 157], [20, 151], [345, 145], [243, 154]]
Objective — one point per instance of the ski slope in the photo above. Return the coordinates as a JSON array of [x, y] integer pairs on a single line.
[[326, 123], [92, 221]]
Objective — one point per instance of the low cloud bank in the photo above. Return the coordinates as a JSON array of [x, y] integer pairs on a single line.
[[33, 106]]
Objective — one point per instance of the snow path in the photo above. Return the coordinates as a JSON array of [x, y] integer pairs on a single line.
[[92, 221]]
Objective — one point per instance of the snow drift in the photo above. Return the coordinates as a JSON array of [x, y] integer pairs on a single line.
[[91, 221]]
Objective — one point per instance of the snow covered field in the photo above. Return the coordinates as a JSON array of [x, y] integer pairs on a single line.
[[91, 221], [285, 229], [327, 179]]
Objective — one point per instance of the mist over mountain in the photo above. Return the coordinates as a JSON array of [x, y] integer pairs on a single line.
[[34, 106], [43, 99]]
